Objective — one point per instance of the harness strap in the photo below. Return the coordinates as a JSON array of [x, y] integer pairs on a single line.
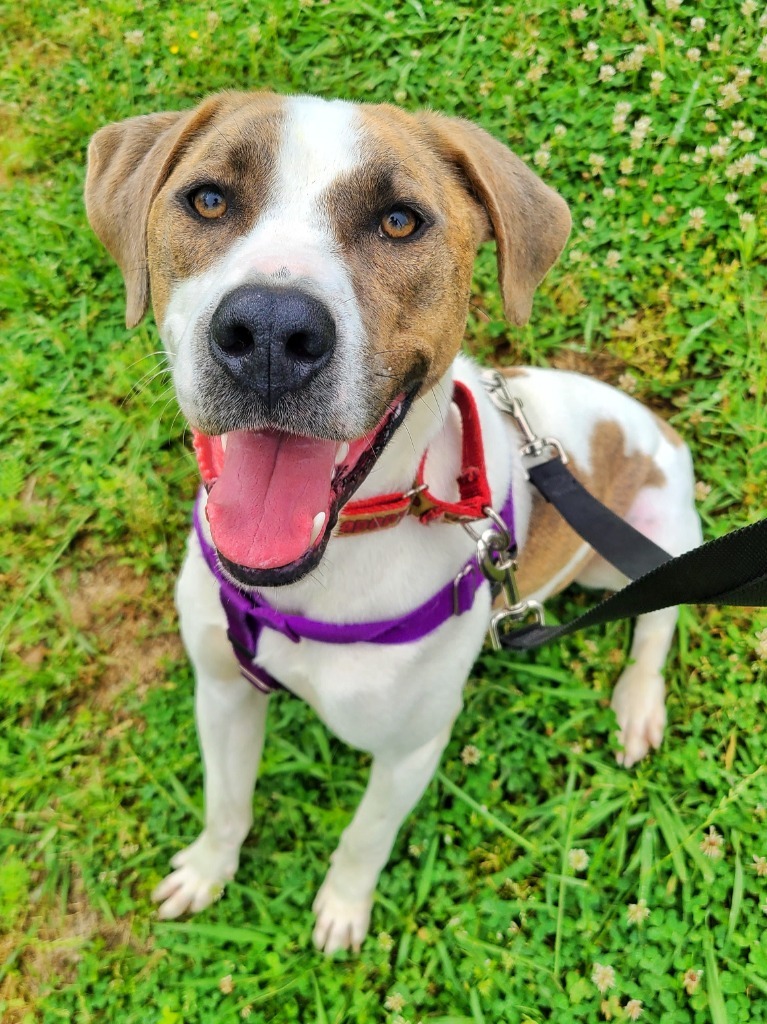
[[248, 613]]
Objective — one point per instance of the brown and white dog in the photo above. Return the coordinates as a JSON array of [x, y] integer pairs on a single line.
[[309, 265]]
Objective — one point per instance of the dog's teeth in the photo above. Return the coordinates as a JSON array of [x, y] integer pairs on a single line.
[[224, 438], [343, 451], [319, 522]]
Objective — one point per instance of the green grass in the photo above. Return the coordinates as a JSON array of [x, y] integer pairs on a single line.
[[480, 916]]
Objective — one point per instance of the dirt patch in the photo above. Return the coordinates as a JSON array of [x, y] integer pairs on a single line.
[[134, 639], [600, 364], [49, 945]]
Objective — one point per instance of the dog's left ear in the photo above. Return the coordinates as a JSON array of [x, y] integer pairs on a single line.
[[529, 221]]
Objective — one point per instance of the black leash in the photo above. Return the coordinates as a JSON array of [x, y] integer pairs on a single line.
[[731, 570]]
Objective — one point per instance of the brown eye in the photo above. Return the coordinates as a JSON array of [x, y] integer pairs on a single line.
[[400, 222], [208, 203]]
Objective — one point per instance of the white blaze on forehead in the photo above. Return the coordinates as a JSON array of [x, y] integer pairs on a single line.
[[320, 141], [291, 242]]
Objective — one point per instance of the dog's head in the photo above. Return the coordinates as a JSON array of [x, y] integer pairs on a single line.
[[309, 265]]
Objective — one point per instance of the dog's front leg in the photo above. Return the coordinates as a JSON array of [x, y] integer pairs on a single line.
[[344, 901], [231, 722]]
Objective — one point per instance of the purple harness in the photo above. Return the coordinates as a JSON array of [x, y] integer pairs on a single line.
[[248, 613]]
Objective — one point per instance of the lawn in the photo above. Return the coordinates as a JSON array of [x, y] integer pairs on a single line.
[[537, 881]]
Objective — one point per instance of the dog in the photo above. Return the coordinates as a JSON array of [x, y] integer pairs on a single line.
[[309, 264]]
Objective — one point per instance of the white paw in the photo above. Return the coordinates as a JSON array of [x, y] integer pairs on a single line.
[[341, 923], [202, 871], [639, 703]]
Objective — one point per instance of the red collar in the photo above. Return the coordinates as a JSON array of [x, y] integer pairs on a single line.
[[385, 510]]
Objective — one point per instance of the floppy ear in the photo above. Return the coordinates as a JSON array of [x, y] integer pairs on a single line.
[[128, 162], [529, 221]]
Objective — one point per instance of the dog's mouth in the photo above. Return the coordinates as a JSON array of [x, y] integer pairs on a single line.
[[274, 497]]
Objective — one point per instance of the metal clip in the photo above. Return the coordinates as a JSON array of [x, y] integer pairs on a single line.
[[515, 614], [496, 561], [534, 447]]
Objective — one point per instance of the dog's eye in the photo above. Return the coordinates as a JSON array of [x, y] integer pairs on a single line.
[[209, 203], [401, 222]]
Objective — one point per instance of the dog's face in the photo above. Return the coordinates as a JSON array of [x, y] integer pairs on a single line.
[[309, 264]]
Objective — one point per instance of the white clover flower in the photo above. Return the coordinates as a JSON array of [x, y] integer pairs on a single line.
[[578, 860], [633, 1009], [693, 54], [712, 843], [697, 24], [578, 13], [730, 95], [719, 149], [748, 7], [746, 220], [603, 977], [691, 980], [471, 755], [612, 259], [596, 162], [606, 72], [634, 60], [637, 913], [656, 78], [560, 131], [590, 51], [541, 157], [697, 216]]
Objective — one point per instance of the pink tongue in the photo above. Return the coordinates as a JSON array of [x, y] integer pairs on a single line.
[[262, 506]]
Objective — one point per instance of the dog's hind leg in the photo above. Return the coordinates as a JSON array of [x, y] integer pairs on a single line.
[[344, 901], [231, 721], [665, 513]]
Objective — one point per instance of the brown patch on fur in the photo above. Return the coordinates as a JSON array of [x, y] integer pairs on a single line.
[[669, 433], [130, 163], [616, 479], [511, 372], [413, 294], [238, 153]]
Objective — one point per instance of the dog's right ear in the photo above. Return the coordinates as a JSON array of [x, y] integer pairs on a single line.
[[128, 162], [126, 167]]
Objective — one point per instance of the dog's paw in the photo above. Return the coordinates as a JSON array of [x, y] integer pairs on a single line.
[[639, 703], [341, 923], [202, 871]]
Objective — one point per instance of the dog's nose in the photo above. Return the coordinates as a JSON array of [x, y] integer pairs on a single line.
[[271, 340]]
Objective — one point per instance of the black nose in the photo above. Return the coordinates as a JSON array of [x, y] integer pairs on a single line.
[[272, 341]]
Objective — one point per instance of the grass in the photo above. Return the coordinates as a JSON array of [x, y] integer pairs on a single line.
[[482, 915]]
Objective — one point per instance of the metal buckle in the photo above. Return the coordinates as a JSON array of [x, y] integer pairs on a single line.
[[534, 447], [496, 562], [456, 584], [516, 615]]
